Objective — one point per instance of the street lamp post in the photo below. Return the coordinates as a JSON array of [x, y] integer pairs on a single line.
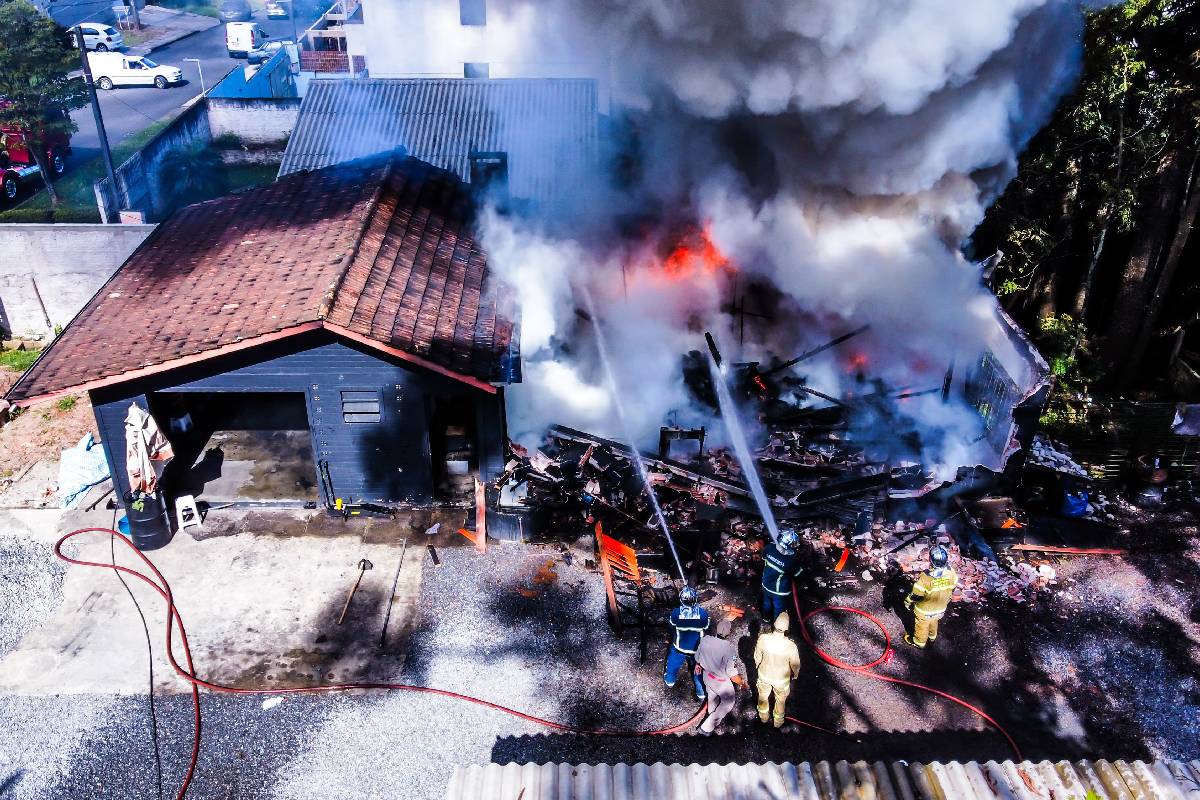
[[200, 70]]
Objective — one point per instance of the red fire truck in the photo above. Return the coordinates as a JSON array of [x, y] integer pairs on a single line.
[[17, 161]]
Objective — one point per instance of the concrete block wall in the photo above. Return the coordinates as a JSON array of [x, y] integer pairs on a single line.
[[139, 187], [65, 264], [258, 121], [261, 124]]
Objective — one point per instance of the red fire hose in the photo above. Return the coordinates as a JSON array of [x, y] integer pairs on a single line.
[[868, 668], [160, 585]]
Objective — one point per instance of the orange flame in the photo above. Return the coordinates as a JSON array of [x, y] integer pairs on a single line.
[[695, 254], [857, 361]]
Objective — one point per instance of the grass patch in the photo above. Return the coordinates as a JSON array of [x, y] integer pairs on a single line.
[[66, 403], [243, 176], [18, 360], [77, 199]]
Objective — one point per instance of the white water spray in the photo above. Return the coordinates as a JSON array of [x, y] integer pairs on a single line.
[[737, 436], [602, 349]]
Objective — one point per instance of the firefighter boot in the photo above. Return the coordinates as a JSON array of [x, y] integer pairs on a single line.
[[920, 632]]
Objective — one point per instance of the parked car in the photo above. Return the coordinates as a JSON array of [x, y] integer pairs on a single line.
[[16, 161], [243, 37], [235, 11], [99, 37], [267, 49], [110, 70], [276, 10]]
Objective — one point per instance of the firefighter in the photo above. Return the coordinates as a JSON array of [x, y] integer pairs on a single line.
[[778, 662], [716, 663], [688, 624], [781, 564], [930, 596]]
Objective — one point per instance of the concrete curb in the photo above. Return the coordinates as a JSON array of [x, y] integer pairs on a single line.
[[198, 23]]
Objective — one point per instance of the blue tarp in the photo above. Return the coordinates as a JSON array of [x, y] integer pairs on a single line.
[[79, 469]]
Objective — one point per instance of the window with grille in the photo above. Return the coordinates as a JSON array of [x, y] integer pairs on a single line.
[[360, 405]]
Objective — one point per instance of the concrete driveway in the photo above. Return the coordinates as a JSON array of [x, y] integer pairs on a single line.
[[263, 607]]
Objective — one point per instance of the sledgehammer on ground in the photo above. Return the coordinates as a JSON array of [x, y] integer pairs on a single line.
[[363, 566]]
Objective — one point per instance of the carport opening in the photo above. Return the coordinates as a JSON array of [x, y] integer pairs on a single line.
[[233, 447]]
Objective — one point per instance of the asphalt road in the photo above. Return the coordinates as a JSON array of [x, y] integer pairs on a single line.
[[130, 109]]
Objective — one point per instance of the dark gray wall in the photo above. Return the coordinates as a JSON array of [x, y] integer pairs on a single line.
[[386, 461]]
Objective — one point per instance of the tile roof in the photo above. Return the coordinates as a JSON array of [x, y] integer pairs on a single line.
[[823, 780], [547, 126], [379, 251]]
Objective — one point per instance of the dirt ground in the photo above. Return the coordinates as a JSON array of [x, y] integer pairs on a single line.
[[40, 433]]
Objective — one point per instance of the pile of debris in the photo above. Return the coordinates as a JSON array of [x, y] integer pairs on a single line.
[[903, 547], [1045, 453]]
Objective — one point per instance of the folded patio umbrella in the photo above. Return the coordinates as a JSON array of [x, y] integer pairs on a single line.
[[147, 450]]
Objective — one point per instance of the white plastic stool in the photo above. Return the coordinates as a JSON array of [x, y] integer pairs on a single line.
[[185, 504]]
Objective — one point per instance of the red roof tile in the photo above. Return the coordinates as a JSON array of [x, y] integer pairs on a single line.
[[379, 250]]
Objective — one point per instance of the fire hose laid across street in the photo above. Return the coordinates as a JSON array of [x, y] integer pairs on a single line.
[[160, 585]]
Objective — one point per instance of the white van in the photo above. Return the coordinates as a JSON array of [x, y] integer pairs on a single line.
[[242, 37], [118, 69]]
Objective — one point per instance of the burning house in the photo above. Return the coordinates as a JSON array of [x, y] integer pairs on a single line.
[[333, 338]]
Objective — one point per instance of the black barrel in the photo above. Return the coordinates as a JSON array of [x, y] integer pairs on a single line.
[[149, 528]]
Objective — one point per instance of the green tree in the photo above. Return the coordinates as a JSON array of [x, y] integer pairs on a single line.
[[36, 96], [1097, 223]]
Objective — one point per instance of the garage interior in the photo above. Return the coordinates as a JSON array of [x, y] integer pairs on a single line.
[[238, 447]]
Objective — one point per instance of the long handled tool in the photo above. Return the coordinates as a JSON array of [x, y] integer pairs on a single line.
[[363, 566], [392, 599]]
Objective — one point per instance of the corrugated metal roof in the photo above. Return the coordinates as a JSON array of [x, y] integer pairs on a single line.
[[547, 126], [1064, 780]]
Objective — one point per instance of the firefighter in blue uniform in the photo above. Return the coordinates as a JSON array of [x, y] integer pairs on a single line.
[[781, 564], [688, 624]]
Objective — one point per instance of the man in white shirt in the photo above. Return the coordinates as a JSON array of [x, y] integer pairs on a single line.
[[717, 665]]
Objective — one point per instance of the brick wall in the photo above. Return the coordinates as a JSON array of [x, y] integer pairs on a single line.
[[324, 61]]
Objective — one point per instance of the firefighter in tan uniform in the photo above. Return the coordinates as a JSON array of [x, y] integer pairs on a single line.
[[778, 661], [930, 596]]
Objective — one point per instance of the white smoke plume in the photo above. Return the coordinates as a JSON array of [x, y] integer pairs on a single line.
[[839, 150]]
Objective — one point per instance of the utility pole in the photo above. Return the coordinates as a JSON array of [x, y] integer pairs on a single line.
[[104, 151], [292, 14]]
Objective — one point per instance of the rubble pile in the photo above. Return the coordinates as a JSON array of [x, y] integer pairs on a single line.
[[891, 548], [1045, 453], [819, 483], [740, 555]]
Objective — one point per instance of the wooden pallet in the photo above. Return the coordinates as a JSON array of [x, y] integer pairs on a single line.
[[630, 595]]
